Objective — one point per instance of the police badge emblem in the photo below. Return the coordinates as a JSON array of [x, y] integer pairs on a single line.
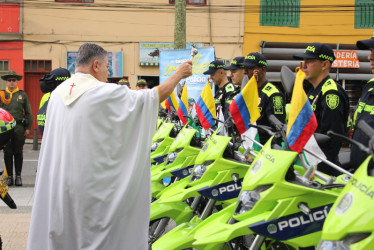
[[278, 105], [332, 101]]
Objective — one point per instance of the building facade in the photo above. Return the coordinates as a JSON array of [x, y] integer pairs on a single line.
[[45, 34]]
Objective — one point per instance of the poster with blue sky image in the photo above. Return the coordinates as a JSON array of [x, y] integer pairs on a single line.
[[171, 59]]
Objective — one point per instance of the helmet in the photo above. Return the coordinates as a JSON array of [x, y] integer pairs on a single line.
[[191, 101], [50, 81], [7, 123]]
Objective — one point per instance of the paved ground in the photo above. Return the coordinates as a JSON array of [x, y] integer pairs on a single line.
[[14, 223]]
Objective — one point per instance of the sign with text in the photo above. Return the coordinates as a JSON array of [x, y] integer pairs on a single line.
[[346, 59], [115, 62], [149, 53], [171, 59]]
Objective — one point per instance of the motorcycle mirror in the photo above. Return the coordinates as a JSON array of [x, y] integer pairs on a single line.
[[287, 79]]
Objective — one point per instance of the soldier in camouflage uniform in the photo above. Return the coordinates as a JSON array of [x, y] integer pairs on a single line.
[[16, 102], [329, 100]]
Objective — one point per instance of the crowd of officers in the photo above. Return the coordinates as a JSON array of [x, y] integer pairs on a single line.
[[329, 100]]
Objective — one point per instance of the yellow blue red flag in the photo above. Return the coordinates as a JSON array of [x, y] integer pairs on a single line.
[[183, 105], [206, 108], [171, 101], [244, 108], [301, 121]]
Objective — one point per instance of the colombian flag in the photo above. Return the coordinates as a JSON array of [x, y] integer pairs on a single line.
[[205, 108], [244, 108], [301, 122], [163, 105], [171, 101], [183, 105]]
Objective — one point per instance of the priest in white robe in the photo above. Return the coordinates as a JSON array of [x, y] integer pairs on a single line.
[[92, 189]]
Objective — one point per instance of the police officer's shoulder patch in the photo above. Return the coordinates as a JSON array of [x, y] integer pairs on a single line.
[[229, 87], [332, 101]]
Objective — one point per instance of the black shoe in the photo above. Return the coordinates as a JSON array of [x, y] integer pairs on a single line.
[[18, 181], [9, 181]]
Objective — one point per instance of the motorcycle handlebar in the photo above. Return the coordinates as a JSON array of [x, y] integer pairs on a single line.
[[349, 140], [365, 128]]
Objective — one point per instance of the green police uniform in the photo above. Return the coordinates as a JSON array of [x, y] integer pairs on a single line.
[[19, 107]]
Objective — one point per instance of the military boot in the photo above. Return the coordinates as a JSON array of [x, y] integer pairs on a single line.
[[8, 160], [18, 160]]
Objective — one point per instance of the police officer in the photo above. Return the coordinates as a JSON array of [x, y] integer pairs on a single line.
[[16, 102], [47, 84], [329, 100], [225, 90], [236, 71], [271, 101], [124, 82], [365, 107], [141, 84]]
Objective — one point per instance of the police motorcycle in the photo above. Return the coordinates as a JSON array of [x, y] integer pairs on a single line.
[[350, 223], [179, 161], [164, 136], [277, 206], [214, 183]]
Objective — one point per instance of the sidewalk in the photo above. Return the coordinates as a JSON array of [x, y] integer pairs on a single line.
[[14, 223]]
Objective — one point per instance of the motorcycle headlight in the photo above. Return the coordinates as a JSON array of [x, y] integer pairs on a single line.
[[342, 244], [199, 170], [154, 146], [248, 199], [172, 156]]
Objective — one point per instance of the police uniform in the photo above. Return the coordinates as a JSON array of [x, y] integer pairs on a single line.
[[271, 102], [330, 104], [42, 112], [19, 107], [365, 111], [224, 96]]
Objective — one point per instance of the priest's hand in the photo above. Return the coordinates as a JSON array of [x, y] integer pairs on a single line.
[[27, 132], [185, 69]]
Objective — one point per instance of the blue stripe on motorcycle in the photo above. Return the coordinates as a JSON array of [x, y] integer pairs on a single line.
[[223, 191], [294, 225], [183, 172], [160, 159]]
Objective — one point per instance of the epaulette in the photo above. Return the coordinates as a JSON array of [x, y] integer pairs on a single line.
[[330, 84], [270, 89]]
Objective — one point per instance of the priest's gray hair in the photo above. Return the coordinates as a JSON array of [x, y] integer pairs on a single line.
[[88, 52]]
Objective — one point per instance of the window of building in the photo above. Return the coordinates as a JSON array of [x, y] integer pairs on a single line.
[[191, 2], [4, 65], [75, 1], [38, 65], [364, 14], [280, 13]]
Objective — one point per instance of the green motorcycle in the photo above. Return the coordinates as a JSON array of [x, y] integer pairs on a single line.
[[277, 206], [218, 169], [350, 223], [179, 160]]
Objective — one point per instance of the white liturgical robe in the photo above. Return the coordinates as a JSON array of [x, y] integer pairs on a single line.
[[92, 188]]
